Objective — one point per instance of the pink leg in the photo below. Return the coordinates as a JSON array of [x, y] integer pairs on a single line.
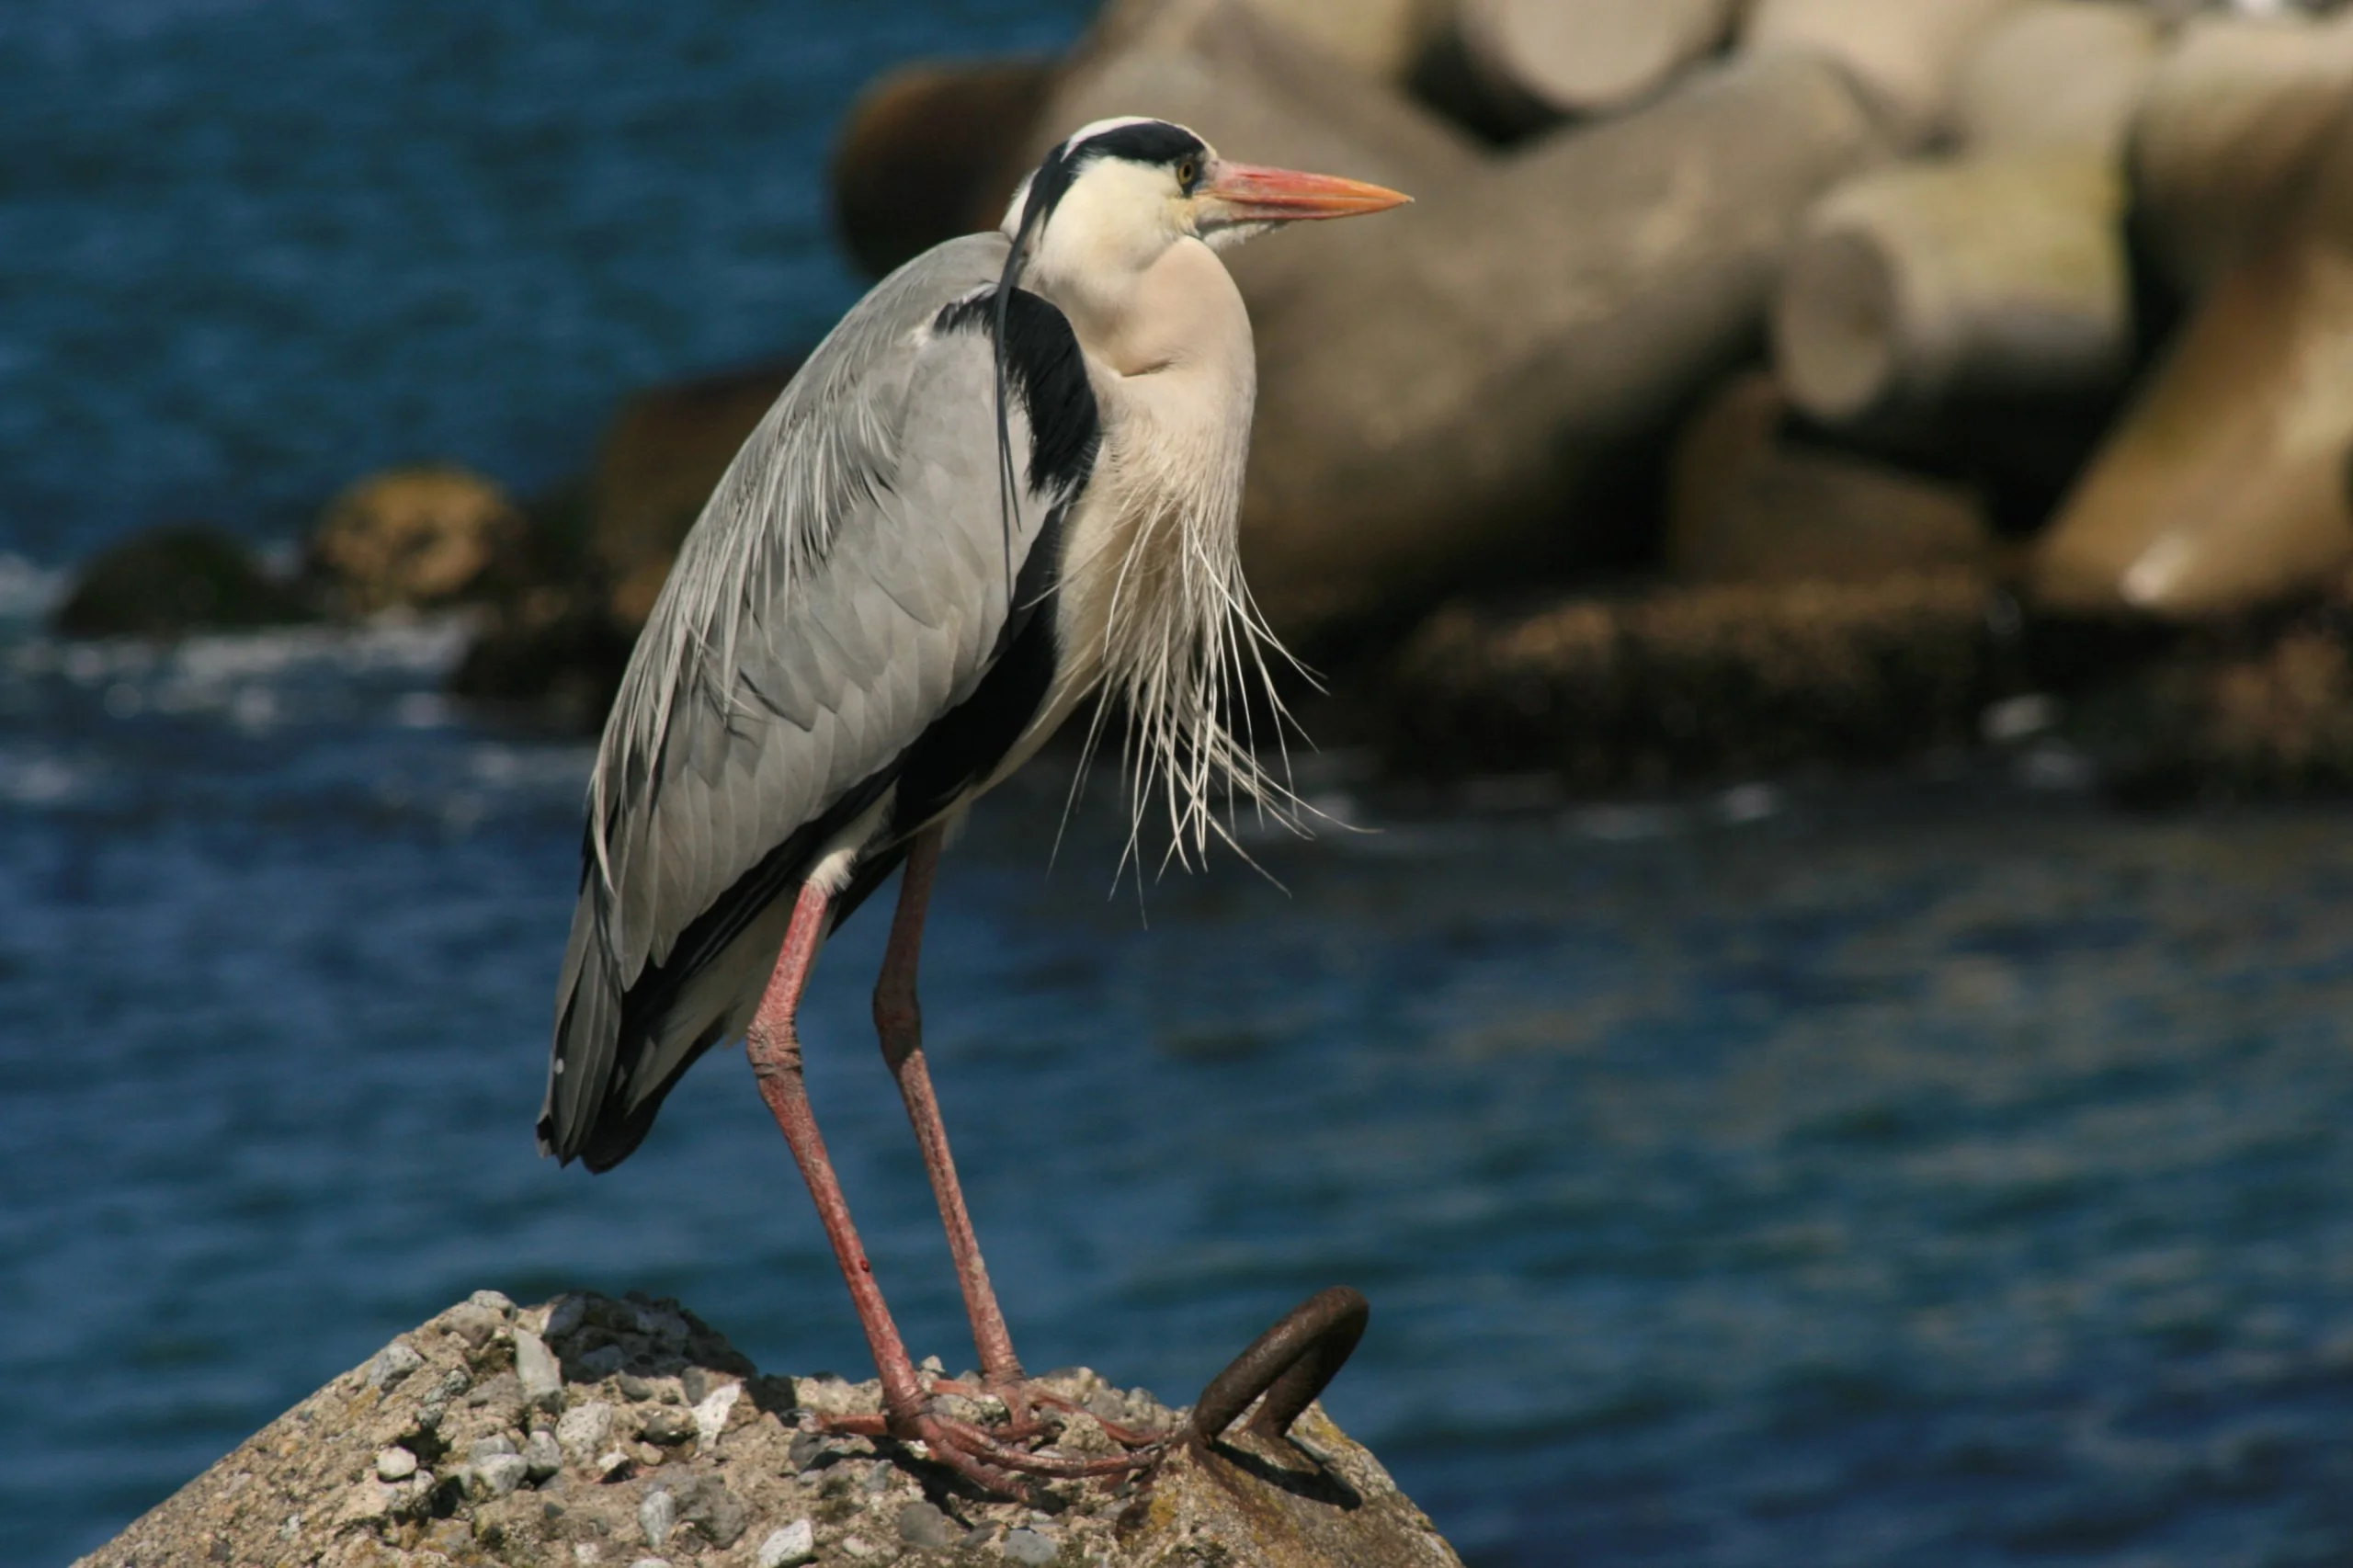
[[898, 1019], [772, 1046], [773, 1043]]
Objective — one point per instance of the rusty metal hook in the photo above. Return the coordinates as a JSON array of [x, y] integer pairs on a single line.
[[1290, 1364]]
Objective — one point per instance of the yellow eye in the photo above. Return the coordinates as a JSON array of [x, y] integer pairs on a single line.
[[1187, 174]]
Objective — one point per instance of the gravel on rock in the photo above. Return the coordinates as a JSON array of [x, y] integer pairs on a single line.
[[706, 1462], [790, 1546]]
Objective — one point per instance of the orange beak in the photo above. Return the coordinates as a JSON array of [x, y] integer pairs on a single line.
[[1255, 194]]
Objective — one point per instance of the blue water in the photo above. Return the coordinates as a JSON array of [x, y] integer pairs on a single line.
[[1934, 1170]]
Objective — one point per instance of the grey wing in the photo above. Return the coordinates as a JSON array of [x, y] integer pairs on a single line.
[[846, 583]]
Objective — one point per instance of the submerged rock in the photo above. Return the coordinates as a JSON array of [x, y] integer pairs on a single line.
[[372, 1472], [170, 581]]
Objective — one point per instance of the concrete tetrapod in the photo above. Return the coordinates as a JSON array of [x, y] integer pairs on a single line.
[[1534, 62], [2229, 126], [1989, 278], [2225, 487], [2058, 74], [1907, 53]]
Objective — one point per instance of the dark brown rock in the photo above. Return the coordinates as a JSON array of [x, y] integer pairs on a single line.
[[928, 152], [1700, 684], [660, 460], [170, 581]]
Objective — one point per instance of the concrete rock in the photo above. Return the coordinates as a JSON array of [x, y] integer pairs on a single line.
[[2225, 486], [1747, 504], [2228, 127], [1318, 1500], [1994, 278], [1906, 53], [2058, 75]]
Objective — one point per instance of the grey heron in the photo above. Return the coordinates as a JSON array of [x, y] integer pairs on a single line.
[[1007, 480]]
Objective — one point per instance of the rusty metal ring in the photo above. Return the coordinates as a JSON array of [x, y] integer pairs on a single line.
[[1290, 1364]]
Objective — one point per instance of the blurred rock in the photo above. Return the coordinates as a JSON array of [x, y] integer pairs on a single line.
[[2058, 74], [421, 536], [311, 1487], [1747, 504], [926, 153], [1440, 404], [659, 461], [1999, 277], [1535, 62], [2228, 126], [2246, 708], [1906, 53], [1380, 39], [556, 651], [169, 580], [1687, 684], [2225, 487]]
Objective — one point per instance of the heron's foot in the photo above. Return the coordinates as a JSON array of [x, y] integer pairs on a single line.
[[1038, 1440]]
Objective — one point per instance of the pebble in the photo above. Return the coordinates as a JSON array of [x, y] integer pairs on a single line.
[[496, 1443], [496, 1475], [582, 1432], [922, 1524], [858, 1546], [651, 1563], [1028, 1547], [880, 1475], [714, 1512], [655, 1517], [1083, 1437], [663, 1324], [602, 1361], [472, 1324], [568, 1314], [711, 1414], [790, 1547], [807, 1450], [666, 1425], [535, 1365], [393, 1363], [634, 1386], [395, 1464], [496, 1301], [612, 1465], [543, 1455]]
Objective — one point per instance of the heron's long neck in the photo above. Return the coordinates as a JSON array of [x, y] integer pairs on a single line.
[[1152, 603], [1152, 553]]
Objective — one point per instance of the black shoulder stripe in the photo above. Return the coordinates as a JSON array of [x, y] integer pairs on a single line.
[[1049, 375]]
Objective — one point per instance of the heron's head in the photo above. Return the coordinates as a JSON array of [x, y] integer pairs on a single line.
[[1117, 194]]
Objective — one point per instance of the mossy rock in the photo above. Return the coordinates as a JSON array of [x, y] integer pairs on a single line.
[[171, 581]]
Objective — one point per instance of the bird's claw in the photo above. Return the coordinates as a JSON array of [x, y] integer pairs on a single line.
[[1000, 1461]]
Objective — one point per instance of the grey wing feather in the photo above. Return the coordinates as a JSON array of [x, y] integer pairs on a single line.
[[844, 585]]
